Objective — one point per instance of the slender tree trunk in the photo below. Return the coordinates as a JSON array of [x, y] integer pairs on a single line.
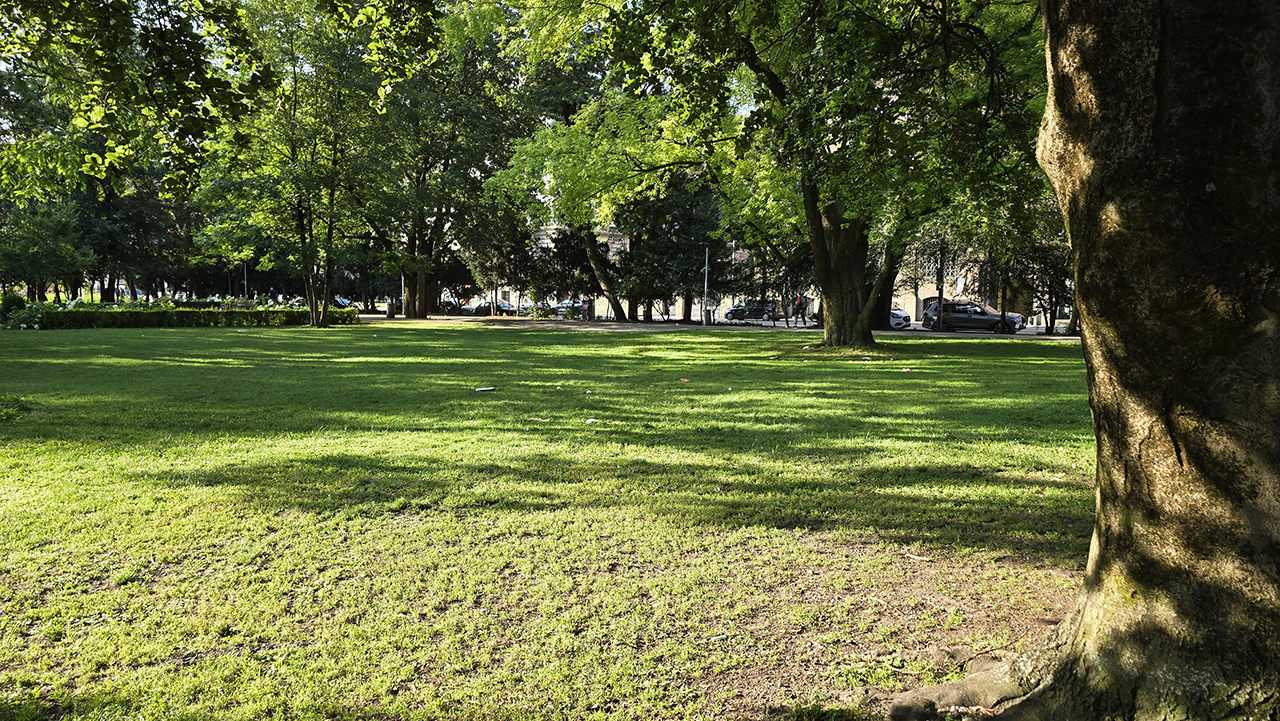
[[601, 270], [321, 319], [409, 277], [1162, 139], [940, 280], [1073, 325], [687, 309], [882, 300], [420, 292], [1004, 300]]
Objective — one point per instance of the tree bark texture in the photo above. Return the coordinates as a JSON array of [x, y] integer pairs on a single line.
[[1162, 139], [840, 249]]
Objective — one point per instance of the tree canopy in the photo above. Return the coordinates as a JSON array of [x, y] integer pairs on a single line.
[[386, 142]]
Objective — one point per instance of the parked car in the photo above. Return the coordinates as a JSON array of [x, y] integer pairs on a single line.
[[573, 309], [486, 308], [452, 307], [899, 319], [966, 315], [756, 309]]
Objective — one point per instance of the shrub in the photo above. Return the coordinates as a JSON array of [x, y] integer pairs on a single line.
[[86, 315], [9, 303], [31, 317]]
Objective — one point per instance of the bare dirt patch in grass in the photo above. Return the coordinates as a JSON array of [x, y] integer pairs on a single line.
[[865, 621]]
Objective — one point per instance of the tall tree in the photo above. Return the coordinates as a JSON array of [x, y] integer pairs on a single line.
[[286, 188], [859, 97], [444, 132], [38, 246], [671, 239], [1162, 139]]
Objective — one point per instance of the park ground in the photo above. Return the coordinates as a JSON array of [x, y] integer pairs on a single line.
[[336, 524]]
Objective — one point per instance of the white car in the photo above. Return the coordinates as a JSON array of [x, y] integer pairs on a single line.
[[899, 319]]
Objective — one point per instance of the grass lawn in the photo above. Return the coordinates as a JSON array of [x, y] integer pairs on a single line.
[[303, 524]]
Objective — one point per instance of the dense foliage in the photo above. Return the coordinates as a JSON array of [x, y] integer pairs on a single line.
[[54, 316], [378, 150]]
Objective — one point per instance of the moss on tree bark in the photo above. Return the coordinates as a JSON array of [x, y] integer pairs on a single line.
[[1162, 140]]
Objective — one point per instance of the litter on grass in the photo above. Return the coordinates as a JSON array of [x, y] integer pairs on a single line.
[[684, 380], [487, 388], [593, 420]]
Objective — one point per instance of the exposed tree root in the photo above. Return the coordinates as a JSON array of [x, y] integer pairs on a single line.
[[984, 690]]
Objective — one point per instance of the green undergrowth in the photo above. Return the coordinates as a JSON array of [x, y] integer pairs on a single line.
[[12, 406], [336, 524]]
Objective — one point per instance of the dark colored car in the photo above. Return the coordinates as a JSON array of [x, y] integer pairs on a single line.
[[757, 309], [966, 315], [504, 308], [452, 307]]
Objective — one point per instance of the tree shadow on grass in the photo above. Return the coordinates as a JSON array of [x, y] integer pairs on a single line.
[[834, 418], [209, 384], [926, 505]]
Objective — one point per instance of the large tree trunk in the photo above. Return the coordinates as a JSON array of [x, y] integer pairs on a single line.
[[1162, 139], [840, 248]]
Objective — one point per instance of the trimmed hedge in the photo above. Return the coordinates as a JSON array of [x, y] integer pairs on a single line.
[[181, 317]]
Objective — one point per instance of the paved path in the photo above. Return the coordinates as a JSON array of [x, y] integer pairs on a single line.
[[1032, 333]]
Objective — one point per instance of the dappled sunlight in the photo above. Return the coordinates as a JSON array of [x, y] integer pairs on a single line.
[[194, 510]]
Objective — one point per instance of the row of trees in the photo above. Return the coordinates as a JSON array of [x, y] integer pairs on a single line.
[[332, 150]]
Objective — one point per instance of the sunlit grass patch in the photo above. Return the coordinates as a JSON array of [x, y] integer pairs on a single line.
[[336, 524]]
